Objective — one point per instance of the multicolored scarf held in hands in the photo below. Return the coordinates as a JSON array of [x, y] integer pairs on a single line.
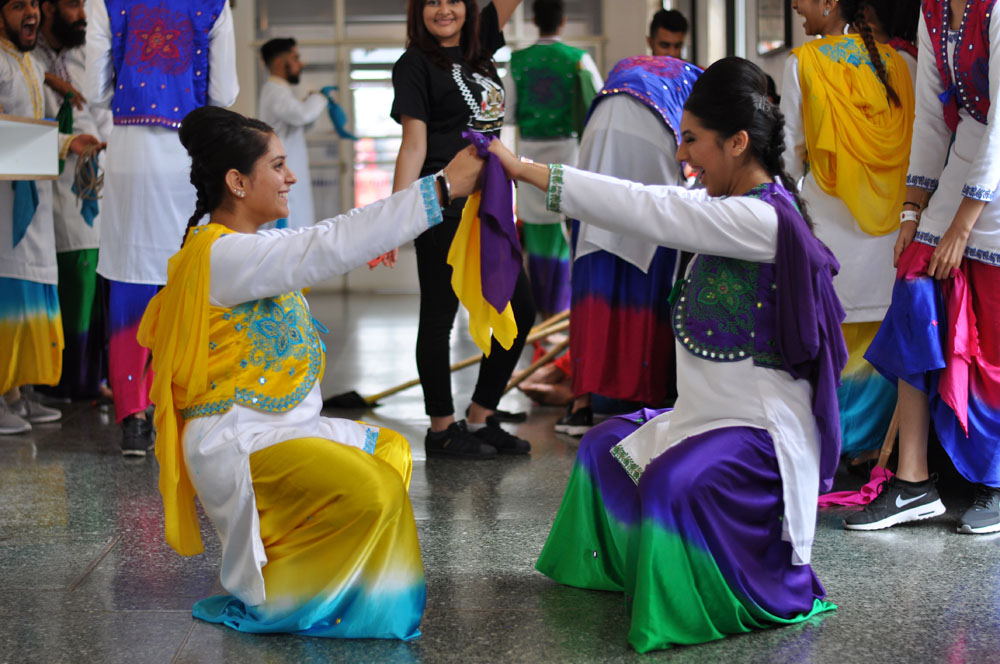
[[486, 256]]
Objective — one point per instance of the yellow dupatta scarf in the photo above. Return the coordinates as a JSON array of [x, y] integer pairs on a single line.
[[175, 328], [858, 143]]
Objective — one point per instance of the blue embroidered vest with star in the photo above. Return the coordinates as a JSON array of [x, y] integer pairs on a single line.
[[264, 355], [160, 54]]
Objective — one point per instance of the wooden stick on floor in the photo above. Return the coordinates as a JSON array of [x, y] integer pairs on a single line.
[[538, 364], [537, 332]]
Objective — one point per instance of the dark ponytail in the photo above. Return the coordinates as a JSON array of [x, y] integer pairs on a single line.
[[219, 140], [853, 11], [731, 96]]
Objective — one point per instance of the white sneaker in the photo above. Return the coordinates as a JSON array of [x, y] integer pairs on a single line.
[[29, 408], [11, 423]]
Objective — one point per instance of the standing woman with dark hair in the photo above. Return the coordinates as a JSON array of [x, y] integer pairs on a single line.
[[848, 106], [446, 83], [317, 532], [705, 515], [941, 337]]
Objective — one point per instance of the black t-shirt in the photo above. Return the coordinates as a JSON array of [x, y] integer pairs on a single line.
[[450, 101]]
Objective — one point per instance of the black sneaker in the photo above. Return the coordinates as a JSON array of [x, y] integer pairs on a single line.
[[137, 436], [576, 424], [504, 442], [506, 415], [457, 441], [897, 503], [984, 515]]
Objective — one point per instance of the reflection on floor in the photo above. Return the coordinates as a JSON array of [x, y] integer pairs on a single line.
[[86, 576]]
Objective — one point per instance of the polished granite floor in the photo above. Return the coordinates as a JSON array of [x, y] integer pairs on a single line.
[[85, 575]]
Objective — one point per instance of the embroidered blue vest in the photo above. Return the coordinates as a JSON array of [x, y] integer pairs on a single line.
[[660, 82], [971, 68], [160, 55], [726, 310]]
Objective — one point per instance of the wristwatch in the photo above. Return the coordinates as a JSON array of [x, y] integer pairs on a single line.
[[442, 178]]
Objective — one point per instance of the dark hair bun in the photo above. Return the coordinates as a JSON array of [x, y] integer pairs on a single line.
[[219, 140]]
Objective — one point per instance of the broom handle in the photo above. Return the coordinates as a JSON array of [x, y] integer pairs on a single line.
[[538, 364], [538, 332]]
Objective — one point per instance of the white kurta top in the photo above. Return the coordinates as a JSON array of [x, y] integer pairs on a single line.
[[531, 201], [22, 78], [148, 196], [628, 140], [72, 232], [864, 284], [973, 160], [714, 395], [247, 267], [291, 117]]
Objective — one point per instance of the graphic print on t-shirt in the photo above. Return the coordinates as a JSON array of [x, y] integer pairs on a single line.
[[488, 110]]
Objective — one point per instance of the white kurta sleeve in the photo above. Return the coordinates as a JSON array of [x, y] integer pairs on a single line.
[[99, 83], [249, 266], [931, 136], [283, 105], [984, 176], [791, 107], [735, 227], [223, 84], [588, 65]]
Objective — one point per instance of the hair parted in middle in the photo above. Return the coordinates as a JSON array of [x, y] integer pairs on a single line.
[[473, 53]]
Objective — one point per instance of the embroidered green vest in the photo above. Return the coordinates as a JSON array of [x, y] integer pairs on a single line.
[[545, 76]]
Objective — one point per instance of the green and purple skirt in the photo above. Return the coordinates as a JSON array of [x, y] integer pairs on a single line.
[[696, 546]]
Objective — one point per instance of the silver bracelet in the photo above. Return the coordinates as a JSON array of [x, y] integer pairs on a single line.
[[442, 177]]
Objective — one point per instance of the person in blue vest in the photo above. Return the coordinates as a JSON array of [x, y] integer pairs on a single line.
[[152, 62]]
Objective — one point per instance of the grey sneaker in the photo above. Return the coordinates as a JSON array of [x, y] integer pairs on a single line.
[[10, 423], [984, 515], [897, 503], [29, 408]]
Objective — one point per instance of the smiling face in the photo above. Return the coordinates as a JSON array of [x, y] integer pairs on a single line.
[[444, 20], [718, 159], [812, 11], [20, 23], [266, 187]]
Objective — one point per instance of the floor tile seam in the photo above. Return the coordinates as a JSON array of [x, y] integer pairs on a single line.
[[184, 641], [95, 562]]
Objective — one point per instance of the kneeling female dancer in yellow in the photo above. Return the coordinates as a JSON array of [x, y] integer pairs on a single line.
[[317, 531]]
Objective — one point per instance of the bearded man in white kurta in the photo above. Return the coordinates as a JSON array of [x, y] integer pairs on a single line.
[[30, 326], [290, 117], [152, 62]]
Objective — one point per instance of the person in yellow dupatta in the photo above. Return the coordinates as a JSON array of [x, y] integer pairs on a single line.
[[848, 105], [318, 536]]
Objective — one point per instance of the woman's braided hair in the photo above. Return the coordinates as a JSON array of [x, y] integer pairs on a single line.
[[219, 140], [853, 11], [731, 96]]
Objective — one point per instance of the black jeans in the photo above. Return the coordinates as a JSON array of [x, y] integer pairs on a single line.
[[438, 307]]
